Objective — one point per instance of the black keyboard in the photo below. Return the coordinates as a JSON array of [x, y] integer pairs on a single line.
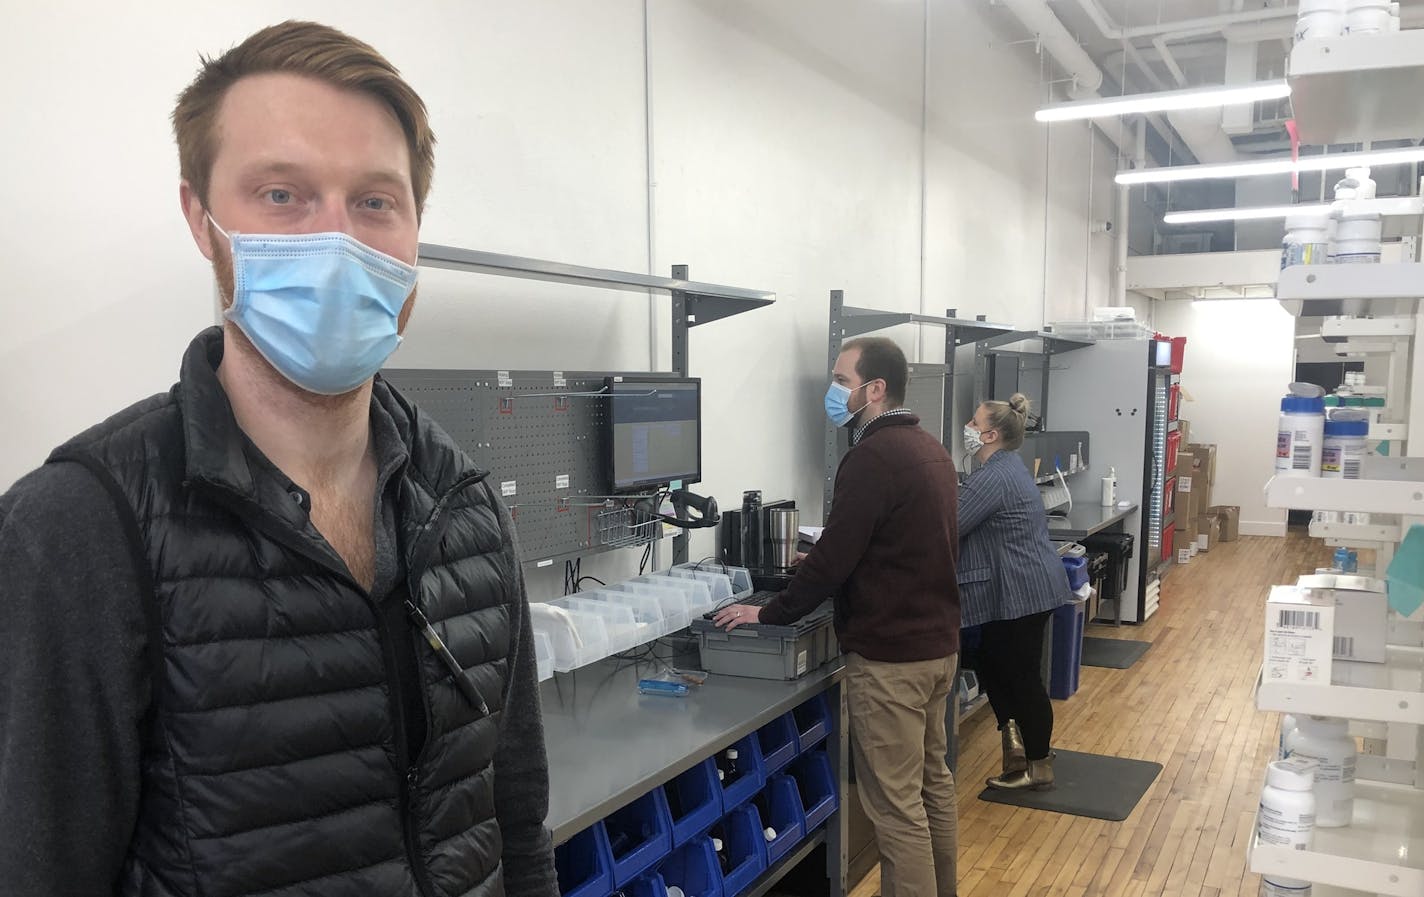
[[759, 598]]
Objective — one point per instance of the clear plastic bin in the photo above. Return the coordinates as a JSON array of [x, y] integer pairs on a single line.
[[577, 638], [741, 577], [624, 630], [698, 593], [676, 605], [544, 654], [647, 609]]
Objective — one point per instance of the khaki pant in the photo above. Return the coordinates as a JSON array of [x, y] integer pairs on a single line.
[[897, 716]]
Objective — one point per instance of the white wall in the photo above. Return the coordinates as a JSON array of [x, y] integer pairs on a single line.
[[798, 147], [1239, 358]]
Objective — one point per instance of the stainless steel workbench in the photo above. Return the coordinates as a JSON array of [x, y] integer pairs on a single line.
[[609, 745], [1085, 520]]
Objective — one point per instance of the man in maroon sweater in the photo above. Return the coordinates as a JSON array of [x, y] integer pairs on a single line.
[[888, 557]]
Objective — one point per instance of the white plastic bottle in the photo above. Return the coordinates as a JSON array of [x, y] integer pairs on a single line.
[[1287, 727], [1344, 448], [1319, 18], [1307, 240], [1300, 436], [1287, 818], [1327, 741], [1366, 16]]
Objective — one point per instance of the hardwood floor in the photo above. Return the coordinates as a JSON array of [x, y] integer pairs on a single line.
[[1186, 704]]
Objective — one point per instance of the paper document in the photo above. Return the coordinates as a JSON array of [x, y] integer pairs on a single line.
[[810, 533]]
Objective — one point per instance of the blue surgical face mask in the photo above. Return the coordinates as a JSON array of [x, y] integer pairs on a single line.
[[323, 309], [837, 403]]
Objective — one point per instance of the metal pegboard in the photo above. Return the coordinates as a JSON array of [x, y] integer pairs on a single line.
[[541, 434]]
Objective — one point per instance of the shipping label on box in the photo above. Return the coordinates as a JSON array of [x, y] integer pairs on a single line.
[[1184, 555], [1300, 625]]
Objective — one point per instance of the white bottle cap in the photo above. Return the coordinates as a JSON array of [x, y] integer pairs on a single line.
[[1291, 774], [732, 754], [674, 891], [770, 833], [721, 776], [717, 845]]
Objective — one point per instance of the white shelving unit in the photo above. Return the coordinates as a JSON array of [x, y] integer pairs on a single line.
[[1399, 699], [1380, 852], [1358, 87], [1374, 496], [1387, 280], [1351, 89]]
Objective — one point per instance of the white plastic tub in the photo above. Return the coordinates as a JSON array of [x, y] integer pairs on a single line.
[[624, 630], [676, 603], [647, 608], [576, 638]]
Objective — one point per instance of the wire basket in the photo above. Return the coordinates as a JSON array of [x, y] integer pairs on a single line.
[[625, 528]]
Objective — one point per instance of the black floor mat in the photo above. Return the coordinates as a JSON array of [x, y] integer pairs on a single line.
[[1086, 785], [1114, 653]]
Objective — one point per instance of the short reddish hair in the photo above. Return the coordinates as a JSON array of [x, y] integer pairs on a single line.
[[299, 48]]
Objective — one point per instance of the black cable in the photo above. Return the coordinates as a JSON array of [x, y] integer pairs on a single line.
[[582, 579], [647, 556], [698, 565]]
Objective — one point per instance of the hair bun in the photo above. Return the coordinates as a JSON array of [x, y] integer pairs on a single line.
[[1018, 403]]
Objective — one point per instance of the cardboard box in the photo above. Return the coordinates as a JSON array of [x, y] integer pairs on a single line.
[[1300, 624], [1182, 501], [1230, 518], [1185, 462], [1204, 460], [1208, 532], [1184, 555], [1185, 428], [1361, 614]]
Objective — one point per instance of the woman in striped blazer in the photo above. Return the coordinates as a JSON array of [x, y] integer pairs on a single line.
[[1010, 580]]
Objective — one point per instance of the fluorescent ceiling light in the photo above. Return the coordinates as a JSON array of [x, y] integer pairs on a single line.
[[1247, 214], [1165, 101], [1270, 166]]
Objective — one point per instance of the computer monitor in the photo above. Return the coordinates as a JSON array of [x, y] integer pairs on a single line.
[[655, 427]]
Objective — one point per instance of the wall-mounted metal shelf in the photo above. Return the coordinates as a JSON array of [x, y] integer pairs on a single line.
[[693, 302], [858, 321]]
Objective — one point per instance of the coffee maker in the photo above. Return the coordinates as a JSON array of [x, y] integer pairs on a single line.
[[761, 536]]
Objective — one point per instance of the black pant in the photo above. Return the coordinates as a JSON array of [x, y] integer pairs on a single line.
[[1009, 667]]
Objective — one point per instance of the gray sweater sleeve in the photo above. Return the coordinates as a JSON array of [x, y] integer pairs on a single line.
[[74, 686], [521, 784]]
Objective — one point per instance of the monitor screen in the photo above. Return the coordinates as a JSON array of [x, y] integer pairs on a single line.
[[656, 431]]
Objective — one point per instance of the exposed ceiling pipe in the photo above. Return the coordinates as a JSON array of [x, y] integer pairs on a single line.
[[1112, 31], [1201, 131], [1061, 45]]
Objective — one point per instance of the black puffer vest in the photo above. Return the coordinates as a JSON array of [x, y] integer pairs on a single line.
[[274, 763]]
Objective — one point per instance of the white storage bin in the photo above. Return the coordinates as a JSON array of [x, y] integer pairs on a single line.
[[543, 654], [701, 593], [647, 609], [624, 630], [676, 603], [718, 586], [576, 638]]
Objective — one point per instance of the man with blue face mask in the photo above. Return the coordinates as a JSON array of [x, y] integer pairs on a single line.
[[888, 557], [267, 631]]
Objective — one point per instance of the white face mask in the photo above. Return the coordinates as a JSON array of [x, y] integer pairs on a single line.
[[972, 441]]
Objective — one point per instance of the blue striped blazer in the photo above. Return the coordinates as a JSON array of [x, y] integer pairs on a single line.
[[1008, 568]]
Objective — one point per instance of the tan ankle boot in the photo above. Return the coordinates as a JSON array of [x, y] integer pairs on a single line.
[[1038, 776], [1012, 739]]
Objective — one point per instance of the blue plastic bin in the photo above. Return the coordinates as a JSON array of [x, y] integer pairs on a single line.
[[693, 868], [745, 848], [1067, 650], [816, 786], [778, 743], [584, 865], [813, 722], [779, 808], [753, 775], [650, 885], [639, 835], [694, 802], [1077, 570]]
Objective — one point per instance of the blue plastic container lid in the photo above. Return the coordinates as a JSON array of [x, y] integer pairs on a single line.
[[1347, 428], [1302, 405]]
